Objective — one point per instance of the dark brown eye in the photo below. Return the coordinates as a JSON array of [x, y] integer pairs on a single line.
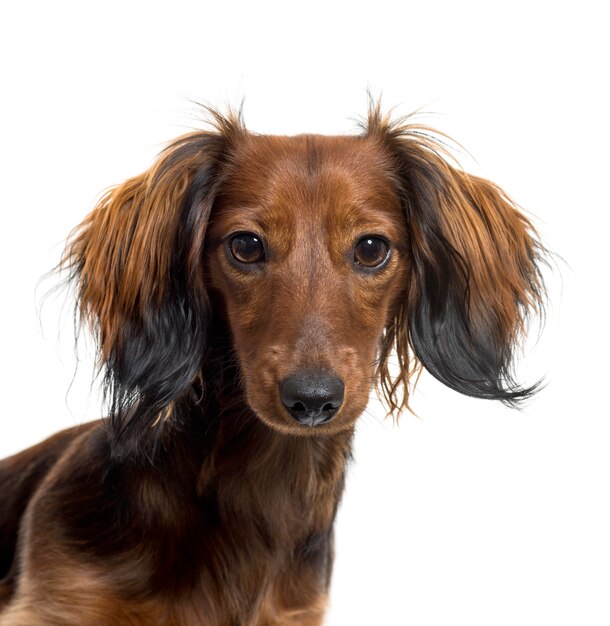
[[371, 252], [247, 248]]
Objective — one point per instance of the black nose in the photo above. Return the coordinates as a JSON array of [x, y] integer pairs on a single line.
[[312, 397]]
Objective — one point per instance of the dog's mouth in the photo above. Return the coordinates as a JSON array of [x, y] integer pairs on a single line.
[[308, 425]]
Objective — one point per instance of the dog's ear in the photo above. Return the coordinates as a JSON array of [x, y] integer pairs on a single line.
[[475, 270], [136, 265]]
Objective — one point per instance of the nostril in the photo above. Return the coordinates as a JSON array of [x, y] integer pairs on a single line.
[[312, 396]]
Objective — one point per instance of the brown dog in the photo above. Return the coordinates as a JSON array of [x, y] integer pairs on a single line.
[[246, 292]]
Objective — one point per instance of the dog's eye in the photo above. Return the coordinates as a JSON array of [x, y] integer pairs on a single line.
[[247, 248], [371, 252]]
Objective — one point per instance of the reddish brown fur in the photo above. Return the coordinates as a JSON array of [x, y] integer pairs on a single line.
[[231, 523]]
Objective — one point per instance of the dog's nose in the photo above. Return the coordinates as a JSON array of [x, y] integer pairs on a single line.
[[312, 397]]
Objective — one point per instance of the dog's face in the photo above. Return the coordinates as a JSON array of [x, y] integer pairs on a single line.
[[325, 255], [307, 247]]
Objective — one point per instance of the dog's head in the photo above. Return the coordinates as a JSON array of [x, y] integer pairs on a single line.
[[321, 256]]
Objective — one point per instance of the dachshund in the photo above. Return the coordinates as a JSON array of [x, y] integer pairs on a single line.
[[246, 294]]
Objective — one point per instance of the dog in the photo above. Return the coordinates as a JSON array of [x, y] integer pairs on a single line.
[[246, 293]]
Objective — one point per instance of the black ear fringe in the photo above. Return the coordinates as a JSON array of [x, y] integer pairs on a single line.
[[157, 365], [465, 360], [472, 358]]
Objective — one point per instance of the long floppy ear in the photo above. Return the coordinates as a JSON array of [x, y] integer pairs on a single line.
[[475, 273], [135, 262]]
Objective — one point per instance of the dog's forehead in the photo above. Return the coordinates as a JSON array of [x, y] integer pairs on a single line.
[[312, 173]]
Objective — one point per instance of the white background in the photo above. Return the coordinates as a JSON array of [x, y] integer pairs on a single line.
[[470, 513]]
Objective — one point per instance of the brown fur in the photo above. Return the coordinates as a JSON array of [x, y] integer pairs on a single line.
[[216, 507]]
